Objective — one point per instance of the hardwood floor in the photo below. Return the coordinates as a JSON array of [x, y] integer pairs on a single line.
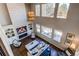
[[22, 51]]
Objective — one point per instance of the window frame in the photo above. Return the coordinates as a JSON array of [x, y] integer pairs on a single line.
[[39, 10], [38, 28], [52, 10], [55, 35], [62, 17], [45, 34]]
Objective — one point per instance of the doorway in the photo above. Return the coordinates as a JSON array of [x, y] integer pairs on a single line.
[[3, 51]]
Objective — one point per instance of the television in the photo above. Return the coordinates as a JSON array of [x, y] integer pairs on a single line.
[[21, 30]]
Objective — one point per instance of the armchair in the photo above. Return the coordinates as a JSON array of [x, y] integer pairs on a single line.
[[16, 43]]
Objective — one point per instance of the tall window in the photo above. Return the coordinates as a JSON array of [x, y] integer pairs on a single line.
[[62, 10], [37, 9], [48, 10], [46, 31], [57, 35], [38, 28]]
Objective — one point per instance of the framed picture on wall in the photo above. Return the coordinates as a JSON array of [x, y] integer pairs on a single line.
[[69, 38]]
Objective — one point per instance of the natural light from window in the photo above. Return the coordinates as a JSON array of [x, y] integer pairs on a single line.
[[62, 10], [57, 35], [46, 31], [38, 28], [37, 9], [48, 10]]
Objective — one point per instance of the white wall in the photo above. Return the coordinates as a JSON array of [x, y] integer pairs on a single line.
[[4, 16], [18, 14]]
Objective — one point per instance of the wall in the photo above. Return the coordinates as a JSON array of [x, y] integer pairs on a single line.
[[18, 14], [4, 15], [71, 24]]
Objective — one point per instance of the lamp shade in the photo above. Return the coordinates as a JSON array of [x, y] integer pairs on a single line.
[[30, 15], [73, 46]]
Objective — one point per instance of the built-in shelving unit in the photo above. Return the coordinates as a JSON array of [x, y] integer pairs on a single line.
[[10, 19]]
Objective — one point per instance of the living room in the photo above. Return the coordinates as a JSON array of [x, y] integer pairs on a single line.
[[43, 29]]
